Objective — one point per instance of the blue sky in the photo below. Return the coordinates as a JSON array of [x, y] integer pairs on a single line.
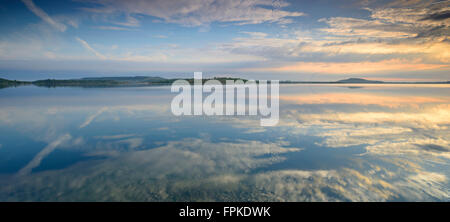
[[258, 39]]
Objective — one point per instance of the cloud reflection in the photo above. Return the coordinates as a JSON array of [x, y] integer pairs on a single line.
[[401, 138]]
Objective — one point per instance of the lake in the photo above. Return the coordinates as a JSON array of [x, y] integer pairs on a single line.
[[355, 142]]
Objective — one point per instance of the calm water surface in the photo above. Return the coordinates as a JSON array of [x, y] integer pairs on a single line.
[[333, 143]]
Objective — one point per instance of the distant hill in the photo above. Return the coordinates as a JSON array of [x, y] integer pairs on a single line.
[[358, 80], [117, 81], [129, 79], [105, 81], [155, 81], [11, 83]]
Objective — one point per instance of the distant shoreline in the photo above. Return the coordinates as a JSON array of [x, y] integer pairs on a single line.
[[137, 81]]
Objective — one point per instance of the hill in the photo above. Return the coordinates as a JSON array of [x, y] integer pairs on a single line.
[[358, 80], [11, 83], [155, 81]]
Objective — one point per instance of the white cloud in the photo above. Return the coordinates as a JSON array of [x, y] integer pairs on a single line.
[[132, 143], [89, 48], [43, 153], [43, 15], [198, 169], [390, 39], [350, 185], [200, 12], [130, 22], [114, 137], [90, 118], [115, 28]]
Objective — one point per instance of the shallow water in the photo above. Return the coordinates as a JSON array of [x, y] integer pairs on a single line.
[[333, 143]]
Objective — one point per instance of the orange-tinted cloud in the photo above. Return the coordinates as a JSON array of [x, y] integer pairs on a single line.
[[360, 99], [356, 67]]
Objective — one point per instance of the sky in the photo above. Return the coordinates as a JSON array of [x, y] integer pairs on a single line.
[[400, 40]]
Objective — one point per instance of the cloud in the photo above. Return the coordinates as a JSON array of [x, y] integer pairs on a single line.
[[362, 135], [43, 153], [115, 28], [434, 117], [409, 36], [114, 137], [92, 117], [392, 39], [345, 49], [196, 169], [438, 16], [358, 98], [350, 185], [43, 15], [89, 48], [199, 12], [430, 51], [420, 17], [411, 26], [184, 163], [130, 22], [418, 146], [362, 28], [407, 168], [418, 131], [354, 67], [132, 143]]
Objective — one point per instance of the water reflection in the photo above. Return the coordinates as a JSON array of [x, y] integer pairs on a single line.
[[333, 143]]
